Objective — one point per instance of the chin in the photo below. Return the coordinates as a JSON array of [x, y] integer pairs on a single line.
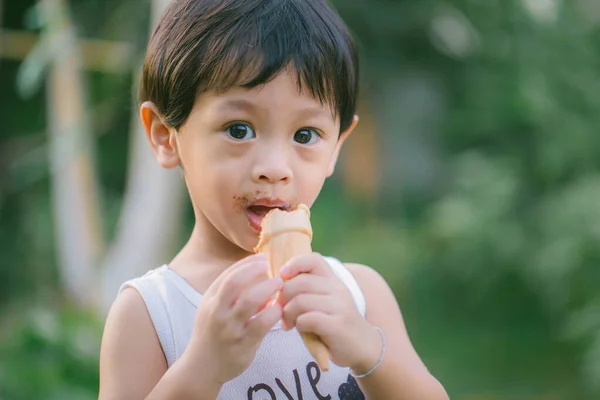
[[246, 241]]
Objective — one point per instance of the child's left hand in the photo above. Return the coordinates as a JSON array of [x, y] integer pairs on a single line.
[[315, 300]]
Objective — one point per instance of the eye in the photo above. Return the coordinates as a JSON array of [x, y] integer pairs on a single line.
[[306, 136], [240, 132]]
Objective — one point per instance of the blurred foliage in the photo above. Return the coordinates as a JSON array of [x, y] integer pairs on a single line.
[[50, 354], [495, 269]]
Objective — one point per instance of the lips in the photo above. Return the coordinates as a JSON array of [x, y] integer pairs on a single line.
[[258, 209]]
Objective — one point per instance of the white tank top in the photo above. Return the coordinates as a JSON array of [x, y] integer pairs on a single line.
[[282, 368]]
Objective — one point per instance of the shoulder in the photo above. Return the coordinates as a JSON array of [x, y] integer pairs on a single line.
[[129, 318], [128, 308], [129, 340], [364, 272], [369, 289], [379, 297], [369, 280]]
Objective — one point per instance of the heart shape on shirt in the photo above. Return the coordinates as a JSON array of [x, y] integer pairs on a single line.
[[350, 390]]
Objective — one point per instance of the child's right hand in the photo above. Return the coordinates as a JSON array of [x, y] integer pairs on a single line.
[[233, 317]]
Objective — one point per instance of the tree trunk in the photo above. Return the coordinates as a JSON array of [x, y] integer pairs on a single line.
[[151, 215], [74, 189]]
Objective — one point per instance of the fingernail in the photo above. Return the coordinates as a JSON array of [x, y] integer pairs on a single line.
[[284, 270]]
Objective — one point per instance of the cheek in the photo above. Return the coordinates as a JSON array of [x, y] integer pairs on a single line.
[[206, 169], [317, 159], [310, 177], [219, 179]]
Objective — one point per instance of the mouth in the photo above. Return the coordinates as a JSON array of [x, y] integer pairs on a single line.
[[257, 211]]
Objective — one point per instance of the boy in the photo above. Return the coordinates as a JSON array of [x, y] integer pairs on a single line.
[[253, 99]]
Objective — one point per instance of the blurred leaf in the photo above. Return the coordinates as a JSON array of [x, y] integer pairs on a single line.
[[50, 354], [32, 71], [34, 16]]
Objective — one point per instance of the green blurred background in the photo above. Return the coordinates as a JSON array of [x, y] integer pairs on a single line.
[[471, 184]]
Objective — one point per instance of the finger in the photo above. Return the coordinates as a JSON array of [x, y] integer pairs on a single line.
[[247, 275], [254, 297], [264, 304], [258, 326], [315, 322], [311, 263], [304, 283], [303, 304], [260, 257]]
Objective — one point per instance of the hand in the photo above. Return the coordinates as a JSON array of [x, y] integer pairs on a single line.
[[235, 314], [315, 300]]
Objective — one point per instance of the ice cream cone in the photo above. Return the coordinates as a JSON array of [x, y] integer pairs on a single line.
[[284, 235]]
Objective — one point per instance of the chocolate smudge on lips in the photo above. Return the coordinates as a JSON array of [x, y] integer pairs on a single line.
[[256, 205], [243, 201]]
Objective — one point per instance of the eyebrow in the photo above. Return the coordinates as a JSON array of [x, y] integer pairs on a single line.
[[248, 106], [312, 111], [236, 105]]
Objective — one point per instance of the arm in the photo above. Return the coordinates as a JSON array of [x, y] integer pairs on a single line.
[[232, 320], [402, 374], [132, 364], [315, 300]]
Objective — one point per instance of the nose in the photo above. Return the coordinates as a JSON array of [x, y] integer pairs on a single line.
[[272, 166]]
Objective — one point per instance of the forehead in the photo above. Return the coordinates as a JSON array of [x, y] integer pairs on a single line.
[[282, 96]]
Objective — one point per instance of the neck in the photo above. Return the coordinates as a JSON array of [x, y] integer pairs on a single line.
[[210, 244], [206, 254]]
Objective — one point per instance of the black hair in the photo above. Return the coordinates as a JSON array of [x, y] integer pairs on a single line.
[[212, 45]]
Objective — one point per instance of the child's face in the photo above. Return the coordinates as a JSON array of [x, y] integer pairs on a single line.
[[246, 151]]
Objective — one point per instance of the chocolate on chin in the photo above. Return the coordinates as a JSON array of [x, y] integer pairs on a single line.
[[284, 235]]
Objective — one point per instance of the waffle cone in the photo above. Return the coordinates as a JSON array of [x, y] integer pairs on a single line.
[[284, 235]]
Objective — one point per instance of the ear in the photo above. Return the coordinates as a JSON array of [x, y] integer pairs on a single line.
[[338, 146], [162, 138]]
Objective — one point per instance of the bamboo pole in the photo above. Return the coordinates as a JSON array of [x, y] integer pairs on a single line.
[[96, 55]]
